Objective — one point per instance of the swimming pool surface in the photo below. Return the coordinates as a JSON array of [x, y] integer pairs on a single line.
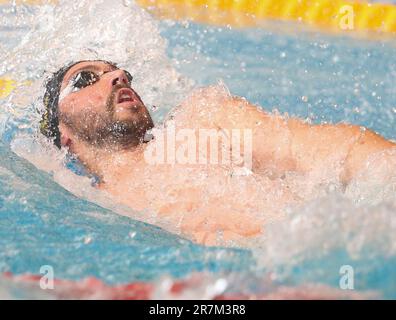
[[304, 73]]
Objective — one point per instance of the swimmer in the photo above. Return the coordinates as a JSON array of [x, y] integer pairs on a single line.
[[92, 110]]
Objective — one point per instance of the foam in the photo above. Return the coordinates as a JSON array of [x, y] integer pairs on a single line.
[[56, 37], [328, 224], [59, 35]]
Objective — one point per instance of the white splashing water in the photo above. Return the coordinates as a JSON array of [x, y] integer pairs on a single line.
[[111, 30], [118, 31], [330, 223], [359, 221], [124, 33]]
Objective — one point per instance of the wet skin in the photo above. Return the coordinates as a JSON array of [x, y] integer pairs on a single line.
[[186, 197]]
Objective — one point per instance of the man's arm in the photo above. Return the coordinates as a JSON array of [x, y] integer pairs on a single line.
[[314, 146], [287, 144], [367, 143], [214, 107], [294, 145]]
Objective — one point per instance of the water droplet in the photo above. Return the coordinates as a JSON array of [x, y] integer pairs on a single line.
[[87, 240], [126, 3], [132, 234]]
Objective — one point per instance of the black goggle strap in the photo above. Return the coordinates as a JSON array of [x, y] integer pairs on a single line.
[[49, 121]]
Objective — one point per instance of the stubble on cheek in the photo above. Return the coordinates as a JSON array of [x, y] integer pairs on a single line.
[[102, 128], [110, 102], [88, 125]]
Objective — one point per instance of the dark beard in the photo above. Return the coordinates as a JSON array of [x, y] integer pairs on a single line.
[[120, 134], [104, 131]]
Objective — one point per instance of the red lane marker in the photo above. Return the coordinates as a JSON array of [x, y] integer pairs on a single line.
[[89, 288], [93, 288]]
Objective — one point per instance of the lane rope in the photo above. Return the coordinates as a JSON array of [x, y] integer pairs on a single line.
[[334, 15]]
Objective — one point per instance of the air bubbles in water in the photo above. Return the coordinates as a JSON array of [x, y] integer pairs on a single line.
[[127, 3]]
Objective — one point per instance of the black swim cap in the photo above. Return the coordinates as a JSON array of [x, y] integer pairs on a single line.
[[49, 124]]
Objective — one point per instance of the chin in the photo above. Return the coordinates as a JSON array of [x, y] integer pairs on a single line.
[[132, 114], [132, 119], [124, 114]]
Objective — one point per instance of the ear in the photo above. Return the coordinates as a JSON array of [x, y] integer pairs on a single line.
[[66, 138]]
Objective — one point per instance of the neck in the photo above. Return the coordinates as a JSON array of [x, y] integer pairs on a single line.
[[109, 163]]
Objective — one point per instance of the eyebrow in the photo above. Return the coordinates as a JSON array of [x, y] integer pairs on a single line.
[[89, 66]]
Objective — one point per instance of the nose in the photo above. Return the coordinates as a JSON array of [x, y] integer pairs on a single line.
[[118, 77]]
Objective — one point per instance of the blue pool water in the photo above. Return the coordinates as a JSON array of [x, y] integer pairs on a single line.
[[42, 224], [310, 75], [304, 74]]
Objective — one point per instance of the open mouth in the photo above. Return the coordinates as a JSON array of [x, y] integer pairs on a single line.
[[126, 95]]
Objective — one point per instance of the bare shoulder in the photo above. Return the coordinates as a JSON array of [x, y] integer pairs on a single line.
[[203, 106], [207, 97], [216, 105]]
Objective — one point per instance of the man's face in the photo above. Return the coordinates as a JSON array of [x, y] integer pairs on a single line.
[[98, 106]]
